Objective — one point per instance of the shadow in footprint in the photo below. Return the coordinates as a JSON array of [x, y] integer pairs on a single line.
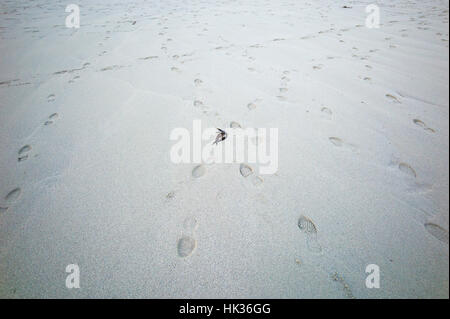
[[393, 98], [186, 246], [257, 180], [13, 196], [423, 125], [326, 112], [187, 243], [235, 125], [245, 170], [10, 199], [198, 171], [251, 106], [407, 169], [23, 153], [419, 123], [170, 195], [51, 119], [336, 141], [437, 231]]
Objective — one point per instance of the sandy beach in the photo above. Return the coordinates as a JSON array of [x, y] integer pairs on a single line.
[[86, 175]]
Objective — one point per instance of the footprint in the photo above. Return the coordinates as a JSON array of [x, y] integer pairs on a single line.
[[51, 98], [74, 79], [187, 243], [407, 169], [317, 67], [198, 82], [170, 195], [186, 246], [235, 125], [423, 125], [419, 123], [283, 90], [198, 103], [307, 226], [23, 153], [338, 278], [437, 231], [149, 57], [336, 141], [257, 180], [51, 119], [198, 171], [327, 112], [190, 224], [251, 106], [245, 170], [393, 98], [13, 196]]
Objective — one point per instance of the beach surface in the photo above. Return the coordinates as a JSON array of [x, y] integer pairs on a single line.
[[86, 176]]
